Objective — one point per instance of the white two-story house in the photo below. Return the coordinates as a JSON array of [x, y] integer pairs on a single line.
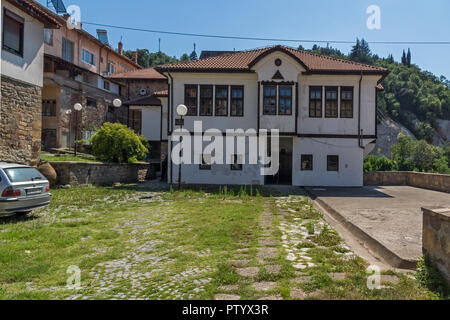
[[324, 109]]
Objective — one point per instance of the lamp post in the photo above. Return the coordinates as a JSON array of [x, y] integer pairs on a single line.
[[181, 111], [117, 103], [69, 114], [78, 107]]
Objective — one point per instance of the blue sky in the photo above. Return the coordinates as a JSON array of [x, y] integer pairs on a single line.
[[401, 20]]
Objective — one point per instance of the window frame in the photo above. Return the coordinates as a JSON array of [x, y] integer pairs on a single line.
[[87, 52], [52, 109], [205, 87], [65, 40], [285, 97], [352, 89], [328, 162], [216, 88], [316, 88], [89, 104], [188, 104], [302, 159], [106, 85], [8, 14], [275, 98], [51, 36], [330, 89], [236, 99]]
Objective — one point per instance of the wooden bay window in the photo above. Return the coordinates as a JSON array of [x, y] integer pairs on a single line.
[[285, 100], [190, 99], [270, 100], [221, 101], [346, 102], [331, 102], [315, 102], [206, 100]]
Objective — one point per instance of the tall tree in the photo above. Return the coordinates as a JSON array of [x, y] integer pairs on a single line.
[[404, 58], [361, 52], [408, 58]]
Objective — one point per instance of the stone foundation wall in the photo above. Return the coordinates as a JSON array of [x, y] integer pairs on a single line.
[[97, 173], [436, 238], [20, 122], [438, 182]]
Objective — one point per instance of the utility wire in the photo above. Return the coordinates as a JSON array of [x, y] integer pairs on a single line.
[[264, 39]]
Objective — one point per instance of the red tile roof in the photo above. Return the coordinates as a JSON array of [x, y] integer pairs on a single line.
[[37, 11], [148, 73], [243, 61]]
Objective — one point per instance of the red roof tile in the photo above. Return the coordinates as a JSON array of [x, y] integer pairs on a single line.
[[148, 73], [243, 61]]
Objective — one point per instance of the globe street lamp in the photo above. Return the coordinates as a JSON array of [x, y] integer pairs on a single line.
[[78, 107], [69, 114], [117, 103], [181, 111]]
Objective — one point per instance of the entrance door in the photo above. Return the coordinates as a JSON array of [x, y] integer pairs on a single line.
[[284, 175]]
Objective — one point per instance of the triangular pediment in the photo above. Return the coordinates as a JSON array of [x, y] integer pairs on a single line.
[[278, 76]]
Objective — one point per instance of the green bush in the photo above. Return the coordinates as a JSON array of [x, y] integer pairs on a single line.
[[374, 163], [114, 142]]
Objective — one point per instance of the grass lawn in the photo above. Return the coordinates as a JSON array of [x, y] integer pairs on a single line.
[[144, 244]]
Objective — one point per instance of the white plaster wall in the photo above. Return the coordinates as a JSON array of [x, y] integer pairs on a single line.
[[248, 80], [151, 123], [28, 68], [219, 173], [338, 125], [350, 172]]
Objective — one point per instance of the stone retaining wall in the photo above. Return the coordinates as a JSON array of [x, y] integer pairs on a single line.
[[20, 121], [436, 238], [97, 173], [438, 182]]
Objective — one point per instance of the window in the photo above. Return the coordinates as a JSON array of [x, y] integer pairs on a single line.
[[306, 162], [237, 101], [332, 163], [88, 57], [67, 50], [270, 100], [12, 32], [206, 162], [285, 100], [206, 100], [91, 103], [346, 102], [106, 85], [48, 36], [111, 68], [221, 101], [315, 102], [236, 164], [190, 99], [331, 102], [49, 108]]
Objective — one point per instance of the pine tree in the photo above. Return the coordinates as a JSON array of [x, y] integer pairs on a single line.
[[408, 58], [361, 52]]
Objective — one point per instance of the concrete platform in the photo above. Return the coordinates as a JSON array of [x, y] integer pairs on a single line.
[[387, 219]]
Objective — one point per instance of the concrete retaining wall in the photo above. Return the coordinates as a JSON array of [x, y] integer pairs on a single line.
[[97, 173], [436, 238], [438, 182]]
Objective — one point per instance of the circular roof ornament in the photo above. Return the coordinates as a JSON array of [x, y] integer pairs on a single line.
[[278, 62]]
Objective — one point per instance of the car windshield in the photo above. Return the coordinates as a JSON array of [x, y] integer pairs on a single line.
[[23, 174]]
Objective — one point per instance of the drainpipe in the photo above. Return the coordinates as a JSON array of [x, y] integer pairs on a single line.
[[169, 115], [359, 112]]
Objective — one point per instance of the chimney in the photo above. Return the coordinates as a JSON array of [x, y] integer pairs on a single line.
[[120, 47], [134, 57]]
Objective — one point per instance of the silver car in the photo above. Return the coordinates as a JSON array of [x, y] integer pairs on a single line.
[[22, 189]]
